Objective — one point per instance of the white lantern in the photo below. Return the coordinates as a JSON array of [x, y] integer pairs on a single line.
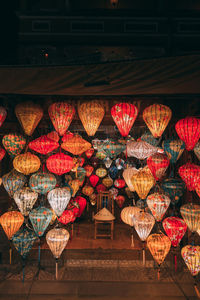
[[107, 161], [25, 198], [58, 199], [127, 175], [140, 150], [128, 215]]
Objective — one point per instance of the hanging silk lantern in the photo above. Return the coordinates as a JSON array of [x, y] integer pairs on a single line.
[[113, 172], [26, 163], [25, 198], [124, 115], [158, 204], [107, 161], [89, 169], [74, 184], [11, 222], [91, 114], [190, 174], [120, 199], [82, 204], [101, 155], [61, 115], [101, 172], [13, 143], [58, 199], [2, 153], [188, 130], [81, 173], [175, 228], [119, 163], [143, 224], [59, 163], [75, 145], [3, 114], [174, 188], [173, 149], [13, 181], [119, 183], [53, 135], [43, 145], [107, 181], [142, 182], [40, 218], [23, 241], [94, 179], [114, 192], [148, 137], [67, 217], [87, 190], [101, 188], [93, 199], [29, 115], [89, 153], [97, 144], [197, 150], [191, 215], [128, 214], [158, 164], [112, 148], [191, 256], [127, 175], [157, 117], [140, 150], [42, 182]]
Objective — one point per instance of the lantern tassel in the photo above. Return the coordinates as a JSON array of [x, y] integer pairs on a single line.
[[175, 262], [158, 274], [56, 269], [10, 255], [197, 290], [143, 257]]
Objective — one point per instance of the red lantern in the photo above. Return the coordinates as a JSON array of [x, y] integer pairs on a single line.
[[158, 164], [190, 174], [82, 204], [120, 200], [3, 114], [124, 115], [81, 161], [59, 163], [53, 135], [67, 217], [43, 145], [2, 153], [119, 183], [89, 152], [101, 188], [175, 228], [94, 179], [89, 169], [188, 130]]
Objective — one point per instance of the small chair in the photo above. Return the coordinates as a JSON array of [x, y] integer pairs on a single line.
[[105, 214]]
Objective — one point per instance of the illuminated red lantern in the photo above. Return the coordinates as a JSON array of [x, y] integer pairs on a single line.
[[89, 169], [94, 179], [89, 152], [175, 228], [158, 164], [188, 130], [82, 204], [2, 153], [101, 188], [120, 200], [67, 216], [3, 114], [53, 135], [190, 174], [59, 163], [119, 183], [43, 145]]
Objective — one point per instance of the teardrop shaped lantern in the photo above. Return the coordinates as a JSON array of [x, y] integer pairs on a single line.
[[107, 161], [157, 117], [120, 199], [174, 188], [25, 198], [142, 183], [89, 152], [74, 184], [143, 223], [191, 215], [13, 143], [75, 145], [87, 190], [101, 188], [94, 179], [173, 149], [42, 182], [127, 175], [158, 164], [58, 199], [13, 181], [188, 130], [112, 148], [2, 153], [3, 114], [26, 163], [91, 114], [11, 222], [119, 183], [140, 150], [40, 218], [43, 145], [29, 115], [23, 241], [107, 181], [190, 174], [59, 163], [89, 169], [191, 256], [158, 204], [197, 150], [81, 203], [113, 172], [101, 172], [175, 228], [124, 115], [61, 115], [128, 214]]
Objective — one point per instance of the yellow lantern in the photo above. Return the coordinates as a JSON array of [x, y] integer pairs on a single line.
[[75, 145], [74, 184], [91, 115], [107, 181], [191, 215], [157, 117], [128, 216], [29, 115], [101, 172], [26, 163], [127, 175], [142, 182]]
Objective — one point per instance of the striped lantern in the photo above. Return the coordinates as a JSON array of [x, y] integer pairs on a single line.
[[42, 182], [157, 117], [13, 143], [175, 228], [174, 188], [40, 218], [13, 181], [129, 214], [11, 222], [61, 115], [127, 175], [124, 115], [142, 182], [190, 174], [143, 224], [197, 150], [91, 114], [23, 241], [3, 114], [107, 181], [25, 198], [188, 130], [53, 135], [59, 163], [29, 115], [43, 145], [173, 149], [158, 164], [191, 256], [26, 163], [140, 150], [158, 204], [2, 153], [89, 169], [159, 245], [87, 190], [58, 199], [75, 145], [94, 179], [191, 215], [120, 199], [101, 172], [119, 183]]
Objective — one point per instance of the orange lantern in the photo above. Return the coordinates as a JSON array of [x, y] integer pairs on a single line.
[[11, 222], [128, 174], [89, 169], [142, 182], [26, 163], [158, 164], [157, 117], [87, 190], [53, 135], [128, 216], [190, 174], [29, 115], [191, 215], [107, 181], [101, 172], [59, 163], [75, 145]]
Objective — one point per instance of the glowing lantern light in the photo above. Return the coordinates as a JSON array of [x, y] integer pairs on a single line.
[[114, 192], [128, 215], [197, 150], [2, 153], [158, 204], [13, 143], [94, 179], [158, 164], [61, 115], [127, 175], [91, 114], [59, 163], [142, 183], [112, 148], [113, 172], [3, 114], [101, 188], [188, 130], [25, 198], [29, 115], [0, 181], [120, 199], [119, 163], [75, 145], [89, 169], [174, 188], [42, 182], [173, 149], [175, 228], [67, 217], [82, 204], [191, 256], [191, 215], [53, 135], [101, 172], [13, 181], [40, 218], [26, 163], [190, 174], [93, 199], [58, 199], [140, 150], [74, 184], [119, 183], [43, 145], [87, 190], [107, 161], [107, 181], [11, 222], [89, 152], [124, 115]]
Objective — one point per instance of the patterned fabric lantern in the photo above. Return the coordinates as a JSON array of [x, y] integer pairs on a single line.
[[142, 183], [128, 214], [67, 217], [191, 215], [89, 152], [75, 145], [113, 172], [11, 222], [112, 148], [175, 228], [81, 173], [25, 198], [40, 218], [173, 149], [3, 114], [174, 188], [120, 199], [89, 169], [119, 163], [157, 117], [91, 114], [87, 190], [26, 163], [101, 155], [158, 204], [58, 199], [13, 181], [93, 199], [124, 115], [107, 161], [29, 115], [190, 174], [61, 115], [158, 164], [82, 204], [148, 137], [74, 184], [188, 130], [2, 153], [59, 163], [143, 223], [191, 256], [13, 143], [107, 181], [101, 172], [119, 183], [94, 179], [23, 241], [42, 182], [140, 150], [127, 175], [114, 192], [53, 135], [101, 188], [197, 150], [43, 145]]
